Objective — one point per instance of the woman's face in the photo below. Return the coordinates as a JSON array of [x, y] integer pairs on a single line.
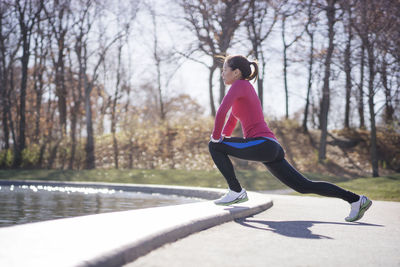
[[228, 75]]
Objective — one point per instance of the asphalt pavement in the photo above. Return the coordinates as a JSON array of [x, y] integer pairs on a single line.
[[296, 231]]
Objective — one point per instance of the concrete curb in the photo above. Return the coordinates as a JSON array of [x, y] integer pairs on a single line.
[[114, 239]]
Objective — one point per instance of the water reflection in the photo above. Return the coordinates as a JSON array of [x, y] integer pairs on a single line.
[[25, 204]]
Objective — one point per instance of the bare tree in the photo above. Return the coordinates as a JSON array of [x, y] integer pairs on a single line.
[[9, 46], [259, 29], [214, 23], [41, 51], [75, 83], [58, 15], [79, 38], [310, 30], [125, 28], [89, 83], [158, 58], [330, 14], [28, 15], [384, 71], [370, 23], [388, 45], [346, 6], [87, 17], [287, 11], [167, 61], [360, 94], [114, 105]]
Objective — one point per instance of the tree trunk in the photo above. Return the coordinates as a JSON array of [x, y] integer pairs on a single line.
[[22, 99], [73, 140], [369, 46], [260, 89], [56, 19], [114, 108], [361, 89], [309, 82], [77, 100], [8, 113], [260, 86], [389, 109], [371, 104], [131, 152], [74, 120], [39, 93], [89, 147], [6, 130], [115, 146], [61, 90], [221, 87], [255, 24], [157, 58], [285, 68], [5, 107], [40, 54], [53, 155], [41, 154], [330, 13], [159, 88], [347, 69], [210, 89], [3, 87], [27, 18]]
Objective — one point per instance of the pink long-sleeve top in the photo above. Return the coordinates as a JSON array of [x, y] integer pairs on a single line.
[[246, 107]]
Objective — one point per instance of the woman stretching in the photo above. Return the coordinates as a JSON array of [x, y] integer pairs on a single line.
[[259, 143]]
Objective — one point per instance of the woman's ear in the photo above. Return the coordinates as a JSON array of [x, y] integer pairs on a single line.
[[237, 73]]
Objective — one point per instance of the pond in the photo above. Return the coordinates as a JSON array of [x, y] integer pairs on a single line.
[[25, 204]]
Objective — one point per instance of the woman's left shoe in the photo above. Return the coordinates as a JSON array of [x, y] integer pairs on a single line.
[[232, 197], [358, 209]]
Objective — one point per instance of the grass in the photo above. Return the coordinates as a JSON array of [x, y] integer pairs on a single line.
[[252, 180], [379, 188]]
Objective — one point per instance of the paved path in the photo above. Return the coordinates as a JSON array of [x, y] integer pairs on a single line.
[[296, 231]]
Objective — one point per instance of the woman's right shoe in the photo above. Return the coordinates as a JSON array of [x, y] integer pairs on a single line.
[[358, 209], [232, 197]]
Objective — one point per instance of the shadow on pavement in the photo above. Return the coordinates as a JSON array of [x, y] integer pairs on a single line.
[[297, 229]]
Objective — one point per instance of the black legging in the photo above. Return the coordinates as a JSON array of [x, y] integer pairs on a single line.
[[271, 154]]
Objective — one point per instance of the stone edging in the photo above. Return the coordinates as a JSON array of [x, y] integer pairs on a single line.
[[113, 239]]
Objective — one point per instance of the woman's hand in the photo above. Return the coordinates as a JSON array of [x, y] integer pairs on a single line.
[[216, 140]]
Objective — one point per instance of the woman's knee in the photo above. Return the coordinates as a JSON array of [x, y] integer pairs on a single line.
[[306, 187], [302, 190], [281, 154], [212, 147]]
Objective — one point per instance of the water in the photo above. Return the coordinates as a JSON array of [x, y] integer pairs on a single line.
[[26, 204]]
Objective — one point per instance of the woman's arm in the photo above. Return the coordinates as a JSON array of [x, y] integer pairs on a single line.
[[233, 93], [229, 126]]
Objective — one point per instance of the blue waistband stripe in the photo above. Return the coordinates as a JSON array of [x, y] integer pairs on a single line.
[[244, 145], [272, 139]]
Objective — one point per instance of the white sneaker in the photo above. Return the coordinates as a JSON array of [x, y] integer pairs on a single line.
[[358, 209], [232, 197]]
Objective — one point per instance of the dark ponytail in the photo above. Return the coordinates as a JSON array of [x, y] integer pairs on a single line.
[[254, 74], [241, 63]]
